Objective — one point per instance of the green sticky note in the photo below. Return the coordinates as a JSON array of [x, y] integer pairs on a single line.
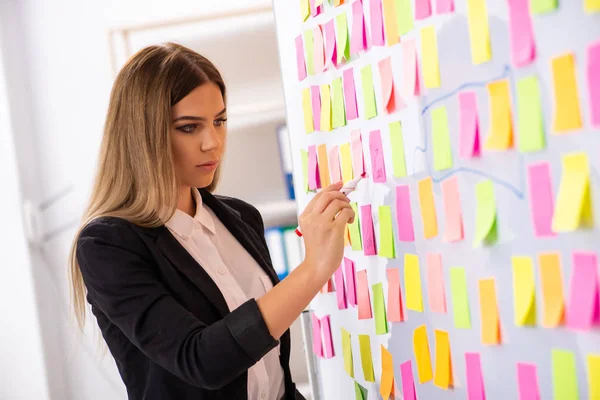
[[360, 392], [531, 122], [347, 352], [404, 17], [386, 233], [564, 375], [397, 143], [309, 51], [442, 148], [354, 227], [486, 230], [460, 298], [368, 92], [339, 111], [304, 158], [342, 40], [543, 6], [366, 359], [381, 325]]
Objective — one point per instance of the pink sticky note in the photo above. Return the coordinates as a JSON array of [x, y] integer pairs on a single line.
[[315, 95], [528, 382], [475, 388], [593, 77], [469, 125], [406, 232], [522, 42], [395, 311], [350, 94], [317, 343], [319, 50], [435, 283], [454, 230], [326, 327], [334, 164], [358, 160], [391, 100], [582, 308], [357, 38], [422, 9], [444, 6], [377, 36], [410, 79], [300, 62], [377, 160], [364, 298], [314, 9], [541, 198], [330, 44], [314, 179], [350, 281], [368, 231], [339, 289], [408, 381]]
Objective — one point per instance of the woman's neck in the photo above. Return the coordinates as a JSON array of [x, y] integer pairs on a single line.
[[185, 201]]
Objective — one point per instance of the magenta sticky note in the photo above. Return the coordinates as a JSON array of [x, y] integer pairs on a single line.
[[315, 95], [522, 41], [444, 6], [406, 232], [350, 94], [377, 158], [528, 382], [350, 281], [328, 342], [475, 388], [314, 9], [368, 231], [363, 295], [377, 33], [408, 381], [340, 291], [318, 50], [358, 160], [469, 125], [582, 307], [593, 77], [314, 179], [422, 9], [330, 44], [541, 198], [300, 61], [334, 164], [357, 37], [317, 342]]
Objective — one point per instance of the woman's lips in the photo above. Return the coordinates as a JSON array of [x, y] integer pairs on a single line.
[[209, 166]]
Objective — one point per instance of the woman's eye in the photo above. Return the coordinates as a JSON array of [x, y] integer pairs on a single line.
[[189, 128], [220, 122]]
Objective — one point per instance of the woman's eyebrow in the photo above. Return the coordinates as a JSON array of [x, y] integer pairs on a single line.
[[195, 118]]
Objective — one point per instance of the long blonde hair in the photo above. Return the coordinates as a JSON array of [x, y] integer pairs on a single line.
[[135, 178]]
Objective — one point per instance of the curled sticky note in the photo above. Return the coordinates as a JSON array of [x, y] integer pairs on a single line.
[[443, 360], [583, 305], [358, 160], [358, 39], [429, 57], [300, 63], [387, 374], [531, 123], [304, 160], [370, 107], [325, 119], [345, 155], [350, 281], [500, 134], [362, 293], [395, 311], [404, 16], [552, 289], [522, 41], [390, 25], [573, 202], [567, 113], [541, 198], [330, 44], [422, 355], [319, 49], [366, 359], [307, 109], [528, 382], [343, 44], [523, 290], [593, 79], [340, 291], [309, 51], [381, 325], [564, 375], [397, 144], [460, 299], [422, 9], [428, 214], [368, 231], [490, 318], [454, 230], [410, 80], [354, 228], [404, 220], [386, 233], [350, 94], [444, 6], [479, 31], [338, 112], [324, 163], [440, 137], [435, 283], [377, 37], [316, 338], [475, 387], [408, 381], [469, 125], [486, 230], [326, 327], [347, 352], [388, 90], [377, 158], [360, 392], [314, 179], [334, 164], [316, 7], [412, 282]]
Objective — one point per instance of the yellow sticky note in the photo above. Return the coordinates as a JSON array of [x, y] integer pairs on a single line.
[[429, 54], [387, 374], [479, 31], [354, 228], [573, 202], [347, 351], [346, 159], [500, 133], [412, 280], [443, 360], [552, 289], [386, 233], [486, 230], [304, 9], [422, 356], [324, 163], [427, 202], [591, 6], [307, 108], [523, 290], [567, 114], [490, 319], [325, 109], [593, 373], [390, 27], [365, 357]]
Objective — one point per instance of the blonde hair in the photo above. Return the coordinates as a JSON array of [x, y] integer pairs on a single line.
[[135, 178]]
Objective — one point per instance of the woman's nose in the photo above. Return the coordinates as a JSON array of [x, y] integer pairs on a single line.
[[210, 139]]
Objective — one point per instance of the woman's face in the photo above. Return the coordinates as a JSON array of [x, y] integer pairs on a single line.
[[198, 135]]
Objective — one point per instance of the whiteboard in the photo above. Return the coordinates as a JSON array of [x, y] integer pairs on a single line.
[[568, 29]]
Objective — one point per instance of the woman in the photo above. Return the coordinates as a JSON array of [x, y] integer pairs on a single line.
[[180, 280]]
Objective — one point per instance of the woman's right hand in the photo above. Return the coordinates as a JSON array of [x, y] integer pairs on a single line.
[[323, 225]]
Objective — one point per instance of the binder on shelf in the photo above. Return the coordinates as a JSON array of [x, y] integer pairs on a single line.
[[274, 238], [285, 156], [293, 248]]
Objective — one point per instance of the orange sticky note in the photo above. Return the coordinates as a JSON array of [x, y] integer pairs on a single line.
[[454, 230], [567, 114], [395, 312], [428, 214], [390, 27], [324, 163], [435, 283], [443, 360], [422, 356], [387, 374], [500, 133], [552, 289], [523, 290], [488, 304]]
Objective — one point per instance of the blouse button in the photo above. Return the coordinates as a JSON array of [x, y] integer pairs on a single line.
[[222, 271], [263, 394]]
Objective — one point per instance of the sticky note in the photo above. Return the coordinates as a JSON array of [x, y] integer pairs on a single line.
[[392, 36], [314, 179], [354, 228], [309, 51], [377, 159], [326, 327], [317, 341], [334, 164], [440, 138], [381, 325], [443, 360], [323, 160], [468, 125], [404, 220], [350, 94], [429, 57], [304, 9], [444, 6], [316, 7], [435, 283], [488, 305], [358, 38], [362, 293], [531, 123], [460, 299], [377, 37], [388, 91], [523, 290], [347, 353], [454, 230], [422, 9], [386, 233], [341, 31], [397, 144], [340, 291], [528, 382], [486, 230], [315, 95], [327, 287], [582, 307], [404, 16], [366, 75], [543, 6], [325, 119], [366, 359], [330, 44], [475, 388], [412, 283], [307, 109], [387, 374], [346, 236], [319, 49], [552, 289], [591, 6], [360, 392], [350, 281], [479, 31], [358, 160], [541, 198], [500, 133], [428, 214], [593, 80], [567, 113], [395, 311], [300, 63], [338, 112], [573, 202], [593, 372], [408, 382], [368, 231], [522, 41], [564, 375], [304, 160], [422, 356], [410, 75], [346, 159]]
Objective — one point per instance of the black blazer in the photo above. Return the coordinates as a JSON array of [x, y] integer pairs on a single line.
[[165, 321]]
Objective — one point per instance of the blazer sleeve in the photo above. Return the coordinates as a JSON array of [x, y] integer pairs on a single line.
[[124, 284]]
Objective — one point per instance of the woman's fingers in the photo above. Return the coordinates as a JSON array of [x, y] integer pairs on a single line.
[[331, 188], [346, 216], [327, 198], [334, 208]]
